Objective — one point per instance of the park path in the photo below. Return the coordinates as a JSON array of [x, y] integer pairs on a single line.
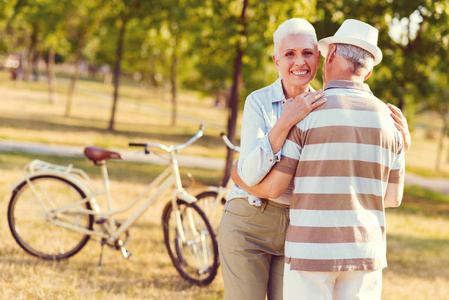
[[130, 155], [435, 184]]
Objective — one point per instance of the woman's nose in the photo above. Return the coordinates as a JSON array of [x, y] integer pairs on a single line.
[[299, 60]]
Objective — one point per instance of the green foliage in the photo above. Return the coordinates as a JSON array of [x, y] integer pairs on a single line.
[[414, 37]]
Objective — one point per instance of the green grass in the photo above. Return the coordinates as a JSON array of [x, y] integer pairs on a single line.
[[417, 237], [143, 115], [149, 273], [137, 172], [421, 193]]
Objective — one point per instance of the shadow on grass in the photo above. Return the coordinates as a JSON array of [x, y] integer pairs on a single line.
[[115, 275], [424, 258], [423, 203], [419, 252], [124, 171], [98, 126]]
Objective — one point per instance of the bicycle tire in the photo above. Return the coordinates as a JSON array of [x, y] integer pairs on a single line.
[[29, 224], [196, 260], [212, 207]]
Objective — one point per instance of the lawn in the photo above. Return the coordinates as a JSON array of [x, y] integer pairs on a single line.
[[418, 243], [148, 274], [418, 231]]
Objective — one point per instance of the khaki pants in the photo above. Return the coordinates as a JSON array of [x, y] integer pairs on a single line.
[[251, 245]]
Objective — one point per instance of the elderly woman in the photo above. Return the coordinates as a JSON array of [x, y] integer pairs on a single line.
[[252, 231]]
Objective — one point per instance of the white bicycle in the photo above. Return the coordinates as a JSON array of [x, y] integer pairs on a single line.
[[53, 212], [212, 200]]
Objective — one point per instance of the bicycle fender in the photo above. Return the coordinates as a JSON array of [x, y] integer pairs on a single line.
[[213, 189], [67, 177]]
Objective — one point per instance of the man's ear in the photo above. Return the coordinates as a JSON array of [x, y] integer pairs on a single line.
[[368, 75], [331, 53]]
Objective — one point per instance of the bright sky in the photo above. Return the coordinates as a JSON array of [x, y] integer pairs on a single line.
[[401, 32]]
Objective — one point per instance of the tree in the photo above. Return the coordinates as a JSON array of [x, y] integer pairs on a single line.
[[85, 20], [236, 82], [404, 37], [43, 24], [247, 24], [123, 12], [438, 100]]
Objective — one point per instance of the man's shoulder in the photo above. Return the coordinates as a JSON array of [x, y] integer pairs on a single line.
[[353, 99]]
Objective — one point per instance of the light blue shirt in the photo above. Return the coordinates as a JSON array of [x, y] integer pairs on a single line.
[[262, 109]]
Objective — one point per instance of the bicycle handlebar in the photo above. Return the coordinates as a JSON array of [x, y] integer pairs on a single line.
[[169, 148], [228, 143]]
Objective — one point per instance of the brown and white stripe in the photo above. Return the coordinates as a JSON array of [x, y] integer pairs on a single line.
[[342, 156]]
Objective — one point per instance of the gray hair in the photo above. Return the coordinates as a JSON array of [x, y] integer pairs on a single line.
[[292, 26], [357, 57]]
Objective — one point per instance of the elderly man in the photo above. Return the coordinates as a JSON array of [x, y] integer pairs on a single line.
[[346, 159]]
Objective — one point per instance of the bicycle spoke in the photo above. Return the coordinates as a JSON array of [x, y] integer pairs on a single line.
[[36, 230], [195, 254]]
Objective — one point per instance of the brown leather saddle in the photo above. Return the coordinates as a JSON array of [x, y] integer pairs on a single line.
[[97, 154]]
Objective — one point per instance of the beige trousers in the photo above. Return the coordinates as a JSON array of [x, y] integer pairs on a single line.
[[251, 246], [347, 285]]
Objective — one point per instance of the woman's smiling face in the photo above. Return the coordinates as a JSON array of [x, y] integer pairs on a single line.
[[297, 60]]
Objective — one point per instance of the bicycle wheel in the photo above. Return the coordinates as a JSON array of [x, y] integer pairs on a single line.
[[33, 226], [193, 248], [212, 207]]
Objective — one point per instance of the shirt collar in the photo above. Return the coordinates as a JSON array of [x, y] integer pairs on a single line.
[[345, 84], [278, 91]]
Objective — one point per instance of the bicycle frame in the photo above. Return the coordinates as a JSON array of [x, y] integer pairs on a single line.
[[221, 191]]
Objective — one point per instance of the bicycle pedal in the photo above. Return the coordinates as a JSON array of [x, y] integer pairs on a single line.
[[100, 221], [126, 254]]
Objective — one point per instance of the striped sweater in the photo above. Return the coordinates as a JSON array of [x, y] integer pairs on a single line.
[[342, 155]]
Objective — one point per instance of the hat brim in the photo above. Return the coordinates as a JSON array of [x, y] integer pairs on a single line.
[[323, 46]]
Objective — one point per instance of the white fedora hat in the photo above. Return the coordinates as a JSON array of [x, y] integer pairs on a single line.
[[357, 33]]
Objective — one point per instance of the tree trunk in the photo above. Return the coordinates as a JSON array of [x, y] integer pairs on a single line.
[[51, 76], [34, 56], [401, 98], [23, 66], [117, 72], [34, 65], [76, 75], [445, 119], [174, 83], [234, 97]]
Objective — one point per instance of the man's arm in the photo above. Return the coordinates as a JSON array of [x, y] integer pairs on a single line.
[[393, 195], [272, 186]]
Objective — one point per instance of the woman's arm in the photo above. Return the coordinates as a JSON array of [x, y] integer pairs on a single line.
[[259, 151], [294, 111], [401, 125]]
